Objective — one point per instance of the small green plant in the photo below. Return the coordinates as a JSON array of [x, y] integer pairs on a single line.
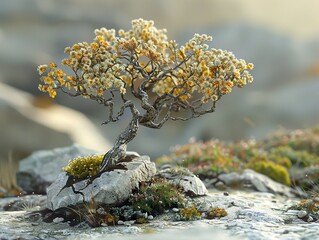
[[189, 213], [217, 213], [156, 197], [84, 167]]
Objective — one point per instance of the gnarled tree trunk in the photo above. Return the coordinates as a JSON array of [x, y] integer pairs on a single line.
[[118, 152]]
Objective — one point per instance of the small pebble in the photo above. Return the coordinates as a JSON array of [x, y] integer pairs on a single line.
[[150, 217], [100, 211], [310, 219], [129, 223], [220, 186], [120, 222], [58, 220], [175, 210], [302, 214], [226, 193]]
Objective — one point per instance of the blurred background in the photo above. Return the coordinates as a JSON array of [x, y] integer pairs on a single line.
[[281, 38]]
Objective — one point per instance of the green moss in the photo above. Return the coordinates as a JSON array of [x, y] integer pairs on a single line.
[[216, 213], [189, 213], [156, 197], [84, 167], [274, 171]]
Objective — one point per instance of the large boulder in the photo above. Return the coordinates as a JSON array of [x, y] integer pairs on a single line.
[[111, 188], [41, 168]]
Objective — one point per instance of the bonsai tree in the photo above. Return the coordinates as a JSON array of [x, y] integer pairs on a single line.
[[151, 76]]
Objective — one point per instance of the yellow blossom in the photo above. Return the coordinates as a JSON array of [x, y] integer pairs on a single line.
[[52, 65], [236, 74], [76, 47], [48, 80], [100, 38], [67, 49], [94, 45], [42, 68], [250, 66]]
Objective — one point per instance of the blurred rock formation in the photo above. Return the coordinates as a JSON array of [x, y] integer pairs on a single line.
[[26, 128]]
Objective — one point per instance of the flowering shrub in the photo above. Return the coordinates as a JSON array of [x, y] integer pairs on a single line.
[[164, 77]]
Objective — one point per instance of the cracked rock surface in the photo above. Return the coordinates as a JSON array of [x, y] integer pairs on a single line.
[[112, 187]]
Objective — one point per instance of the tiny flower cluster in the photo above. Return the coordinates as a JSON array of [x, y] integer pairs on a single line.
[[210, 72], [144, 55]]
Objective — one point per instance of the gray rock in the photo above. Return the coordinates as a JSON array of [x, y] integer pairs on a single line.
[[175, 210], [191, 185], [310, 219], [187, 181], [302, 214], [40, 170], [112, 188], [120, 222], [58, 220], [256, 181]]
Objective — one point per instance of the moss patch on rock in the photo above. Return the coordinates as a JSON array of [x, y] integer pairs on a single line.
[[83, 167]]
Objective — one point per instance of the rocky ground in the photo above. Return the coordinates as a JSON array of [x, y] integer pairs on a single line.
[[251, 215], [257, 206]]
